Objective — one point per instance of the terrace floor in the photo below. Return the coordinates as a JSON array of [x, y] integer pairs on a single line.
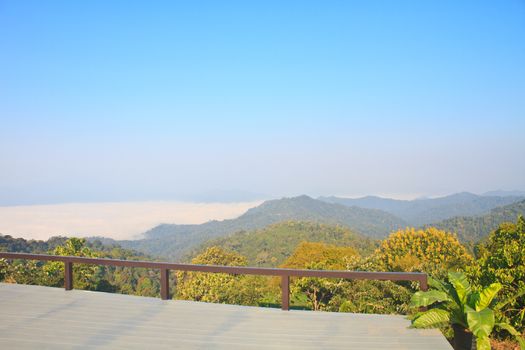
[[34, 317]]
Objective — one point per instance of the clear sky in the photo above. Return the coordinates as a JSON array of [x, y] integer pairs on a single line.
[[152, 100]]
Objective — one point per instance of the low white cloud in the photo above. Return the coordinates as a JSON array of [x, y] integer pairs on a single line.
[[114, 220]]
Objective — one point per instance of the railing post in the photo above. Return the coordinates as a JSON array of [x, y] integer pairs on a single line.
[[423, 283], [285, 290], [164, 284], [68, 275]]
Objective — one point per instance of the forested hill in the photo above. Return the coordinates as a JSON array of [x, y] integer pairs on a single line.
[[475, 228], [426, 211], [106, 246], [21, 245], [173, 241], [272, 245]]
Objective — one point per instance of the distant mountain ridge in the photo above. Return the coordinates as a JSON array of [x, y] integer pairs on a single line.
[[373, 217], [475, 228], [424, 211], [503, 193], [173, 241]]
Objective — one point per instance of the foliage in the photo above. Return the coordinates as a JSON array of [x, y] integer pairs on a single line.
[[429, 250], [3, 269], [83, 276], [331, 256], [339, 294], [21, 245], [458, 303], [102, 278], [24, 272], [376, 297], [502, 260], [272, 245], [319, 256], [219, 287]]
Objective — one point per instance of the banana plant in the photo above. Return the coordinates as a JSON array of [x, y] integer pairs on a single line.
[[455, 302]]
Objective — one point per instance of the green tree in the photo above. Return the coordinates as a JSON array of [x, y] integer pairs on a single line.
[[146, 287], [22, 272], [219, 287], [84, 276], [319, 256], [502, 260]]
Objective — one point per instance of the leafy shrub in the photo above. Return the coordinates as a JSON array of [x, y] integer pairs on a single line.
[[458, 303]]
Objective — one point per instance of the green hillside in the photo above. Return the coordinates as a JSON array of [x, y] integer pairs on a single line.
[[475, 228], [174, 241], [272, 245]]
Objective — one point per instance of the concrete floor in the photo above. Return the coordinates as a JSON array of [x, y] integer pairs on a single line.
[[34, 317]]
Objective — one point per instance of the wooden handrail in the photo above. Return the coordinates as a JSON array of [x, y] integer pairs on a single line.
[[165, 268]]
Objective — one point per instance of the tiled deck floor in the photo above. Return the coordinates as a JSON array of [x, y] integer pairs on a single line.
[[33, 317]]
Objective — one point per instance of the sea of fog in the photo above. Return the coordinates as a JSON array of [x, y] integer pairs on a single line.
[[127, 220]]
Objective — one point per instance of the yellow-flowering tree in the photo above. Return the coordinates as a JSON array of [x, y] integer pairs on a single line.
[[430, 250], [319, 256], [332, 256]]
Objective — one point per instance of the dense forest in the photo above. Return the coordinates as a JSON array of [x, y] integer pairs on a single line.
[[100, 278], [271, 245], [475, 228]]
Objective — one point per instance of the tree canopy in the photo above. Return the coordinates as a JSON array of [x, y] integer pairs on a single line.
[[218, 287], [430, 250], [502, 260]]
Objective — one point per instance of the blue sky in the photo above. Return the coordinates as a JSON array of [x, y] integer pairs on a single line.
[[128, 100]]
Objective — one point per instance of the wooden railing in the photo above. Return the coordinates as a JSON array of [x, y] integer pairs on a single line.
[[165, 268]]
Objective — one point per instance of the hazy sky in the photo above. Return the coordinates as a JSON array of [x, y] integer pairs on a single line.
[[152, 100]]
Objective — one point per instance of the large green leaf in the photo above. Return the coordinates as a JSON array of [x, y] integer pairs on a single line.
[[486, 296], [483, 343], [461, 285], [473, 299], [436, 284], [420, 299], [457, 316], [481, 322], [431, 319]]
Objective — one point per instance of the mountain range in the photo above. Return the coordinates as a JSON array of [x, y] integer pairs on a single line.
[[173, 241], [425, 211], [373, 217], [475, 228]]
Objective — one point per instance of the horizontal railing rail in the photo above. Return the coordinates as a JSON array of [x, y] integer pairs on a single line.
[[166, 267]]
